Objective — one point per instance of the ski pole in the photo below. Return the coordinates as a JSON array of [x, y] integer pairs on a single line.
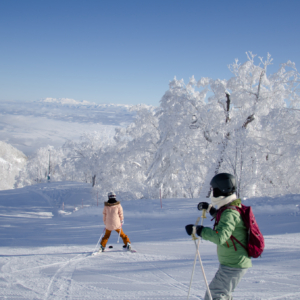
[[207, 286], [119, 234], [197, 252], [99, 239], [194, 238]]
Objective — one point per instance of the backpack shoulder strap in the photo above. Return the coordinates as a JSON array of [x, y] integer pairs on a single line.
[[220, 211], [234, 238]]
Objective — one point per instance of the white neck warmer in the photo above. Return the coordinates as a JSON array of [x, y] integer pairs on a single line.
[[221, 201]]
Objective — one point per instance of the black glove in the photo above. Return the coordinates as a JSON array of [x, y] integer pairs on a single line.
[[213, 212], [203, 205], [189, 229]]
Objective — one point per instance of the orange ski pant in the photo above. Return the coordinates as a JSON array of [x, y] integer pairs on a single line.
[[107, 235]]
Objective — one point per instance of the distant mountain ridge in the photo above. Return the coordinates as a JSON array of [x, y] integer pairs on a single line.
[[72, 102], [72, 110], [66, 101]]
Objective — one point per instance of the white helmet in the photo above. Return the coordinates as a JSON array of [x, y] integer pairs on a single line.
[[112, 195]]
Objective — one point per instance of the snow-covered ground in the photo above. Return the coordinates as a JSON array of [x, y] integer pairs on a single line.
[[31, 125], [46, 252]]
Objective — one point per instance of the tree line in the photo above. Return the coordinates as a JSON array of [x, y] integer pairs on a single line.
[[247, 126]]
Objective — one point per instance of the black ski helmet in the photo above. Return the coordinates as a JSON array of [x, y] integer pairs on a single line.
[[223, 184]]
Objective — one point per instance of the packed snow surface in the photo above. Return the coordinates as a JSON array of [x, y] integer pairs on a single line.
[[50, 230]]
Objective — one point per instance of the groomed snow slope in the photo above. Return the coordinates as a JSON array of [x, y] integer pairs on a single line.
[[46, 252]]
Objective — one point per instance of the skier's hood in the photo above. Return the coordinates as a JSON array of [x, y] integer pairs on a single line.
[[111, 204]]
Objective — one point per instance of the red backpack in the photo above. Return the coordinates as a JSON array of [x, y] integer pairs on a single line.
[[256, 242]]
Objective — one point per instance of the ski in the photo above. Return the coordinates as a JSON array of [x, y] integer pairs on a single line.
[[130, 250], [110, 247], [133, 251]]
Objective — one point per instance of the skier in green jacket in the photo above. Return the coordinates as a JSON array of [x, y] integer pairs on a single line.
[[234, 259]]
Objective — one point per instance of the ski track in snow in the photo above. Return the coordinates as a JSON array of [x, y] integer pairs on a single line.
[[170, 279], [51, 258], [61, 274]]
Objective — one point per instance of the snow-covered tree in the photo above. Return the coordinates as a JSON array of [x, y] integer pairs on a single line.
[[227, 130], [82, 160], [178, 162], [37, 167], [124, 164], [12, 161]]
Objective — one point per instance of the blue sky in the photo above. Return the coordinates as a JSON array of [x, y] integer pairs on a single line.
[[127, 51]]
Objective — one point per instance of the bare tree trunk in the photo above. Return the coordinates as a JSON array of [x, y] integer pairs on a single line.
[[93, 180], [206, 188]]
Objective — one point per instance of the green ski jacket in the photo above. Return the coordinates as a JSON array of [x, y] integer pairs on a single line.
[[230, 223]]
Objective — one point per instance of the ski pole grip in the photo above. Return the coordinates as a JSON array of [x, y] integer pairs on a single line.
[[193, 234]]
